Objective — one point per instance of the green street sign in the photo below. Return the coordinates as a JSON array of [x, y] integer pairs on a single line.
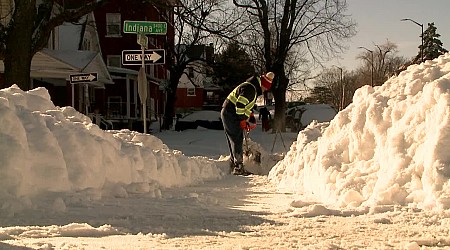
[[145, 27]]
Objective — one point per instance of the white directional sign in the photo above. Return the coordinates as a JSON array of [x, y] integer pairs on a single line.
[[152, 56], [142, 40], [83, 77]]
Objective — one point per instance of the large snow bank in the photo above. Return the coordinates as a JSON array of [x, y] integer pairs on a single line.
[[44, 148], [390, 146]]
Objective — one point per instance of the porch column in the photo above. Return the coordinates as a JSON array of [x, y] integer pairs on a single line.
[[128, 97]]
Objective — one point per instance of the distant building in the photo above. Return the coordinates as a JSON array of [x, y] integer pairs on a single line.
[[196, 90]]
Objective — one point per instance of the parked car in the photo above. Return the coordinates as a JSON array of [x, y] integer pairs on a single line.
[[204, 118], [299, 117]]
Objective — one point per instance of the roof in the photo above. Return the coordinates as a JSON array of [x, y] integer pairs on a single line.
[[71, 62], [61, 64]]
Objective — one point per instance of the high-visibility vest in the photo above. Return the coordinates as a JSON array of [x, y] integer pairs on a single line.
[[243, 105]]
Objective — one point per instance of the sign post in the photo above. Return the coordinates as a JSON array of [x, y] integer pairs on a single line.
[[141, 29], [142, 90], [142, 79], [82, 78]]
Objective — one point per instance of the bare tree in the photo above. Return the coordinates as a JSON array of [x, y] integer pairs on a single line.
[[329, 80], [282, 27], [197, 22], [380, 62], [26, 30]]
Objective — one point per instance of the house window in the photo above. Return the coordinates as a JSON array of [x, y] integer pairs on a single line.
[[114, 105], [191, 91], [114, 60], [113, 26], [210, 95]]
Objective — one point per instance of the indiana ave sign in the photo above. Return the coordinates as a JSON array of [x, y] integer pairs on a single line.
[[152, 56], [145, 27], [83, 77]]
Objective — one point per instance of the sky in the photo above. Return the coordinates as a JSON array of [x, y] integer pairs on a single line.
[[376, 176], [379, 21]]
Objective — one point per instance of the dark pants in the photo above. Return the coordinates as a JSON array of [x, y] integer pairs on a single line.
[[233, 133], [265, 125]]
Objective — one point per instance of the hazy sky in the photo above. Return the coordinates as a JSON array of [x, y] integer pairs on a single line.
[[379, 21]]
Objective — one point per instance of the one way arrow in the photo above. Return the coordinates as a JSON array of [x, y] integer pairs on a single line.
[[92, 77], [154, 57], [84, 77]]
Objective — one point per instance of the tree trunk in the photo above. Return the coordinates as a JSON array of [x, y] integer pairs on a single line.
[[17, 68], [169, 111], [18, 52]]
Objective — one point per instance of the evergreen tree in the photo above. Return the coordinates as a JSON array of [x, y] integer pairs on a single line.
[[432, 46], [321, 94], [232, 67]]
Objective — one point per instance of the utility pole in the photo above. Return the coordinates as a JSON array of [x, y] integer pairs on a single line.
[[371, 63], [341, 79]]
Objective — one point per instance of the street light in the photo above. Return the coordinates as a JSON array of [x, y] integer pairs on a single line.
[[343, 88], [421, 25], [371, 63]]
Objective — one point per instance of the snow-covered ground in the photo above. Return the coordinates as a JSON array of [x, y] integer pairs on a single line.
[[375, 177]]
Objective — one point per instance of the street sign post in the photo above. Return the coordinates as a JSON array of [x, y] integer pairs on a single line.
[[151, 56], [143, 56], [145, 27], [83, 78], [142, 91]]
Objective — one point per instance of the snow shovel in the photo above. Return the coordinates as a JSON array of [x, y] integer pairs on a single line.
[[251, 153]]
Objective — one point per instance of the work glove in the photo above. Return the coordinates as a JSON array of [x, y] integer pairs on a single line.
[[247, 126]]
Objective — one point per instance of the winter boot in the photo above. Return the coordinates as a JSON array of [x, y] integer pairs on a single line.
[[240, 170], [232, 166]]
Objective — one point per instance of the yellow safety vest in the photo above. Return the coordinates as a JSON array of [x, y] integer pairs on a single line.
[[243, 105]]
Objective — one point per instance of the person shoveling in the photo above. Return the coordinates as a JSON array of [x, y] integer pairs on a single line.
[[236, 113]]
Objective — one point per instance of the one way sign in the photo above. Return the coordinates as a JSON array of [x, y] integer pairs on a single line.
[[152, 56], [84, 77]]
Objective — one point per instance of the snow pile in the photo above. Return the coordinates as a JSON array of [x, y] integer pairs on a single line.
[[45, 148], [389, 147]]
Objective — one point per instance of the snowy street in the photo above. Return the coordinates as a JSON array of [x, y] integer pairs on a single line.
[[233, 213]]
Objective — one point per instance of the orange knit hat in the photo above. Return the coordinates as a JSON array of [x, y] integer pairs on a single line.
[[266, 80]]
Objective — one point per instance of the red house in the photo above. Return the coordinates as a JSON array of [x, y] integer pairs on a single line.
[[95, 46], [122, 103], [196, 90]]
